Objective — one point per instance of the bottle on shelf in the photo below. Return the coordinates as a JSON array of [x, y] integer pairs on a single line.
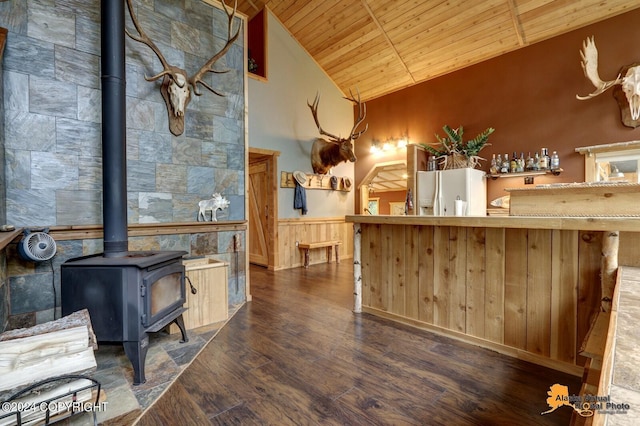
[[493, 168], [504, 168], [555, 161], [513, 164], [529, 163], [544, 159], [520, 163], [536, 162]]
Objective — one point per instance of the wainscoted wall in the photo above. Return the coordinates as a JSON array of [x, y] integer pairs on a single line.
[[52, 115], [291, 231]]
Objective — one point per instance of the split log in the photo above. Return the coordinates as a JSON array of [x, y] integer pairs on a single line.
[[55, 348], [608, 268], [70, 321], [32, 359]]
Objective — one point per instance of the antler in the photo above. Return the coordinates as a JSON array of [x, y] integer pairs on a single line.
[[143, 38], [589, 63], [314, 111], [197, 77], [362, 113]]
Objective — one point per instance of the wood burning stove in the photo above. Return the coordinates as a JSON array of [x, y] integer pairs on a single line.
[[128, 294], [128, 297]]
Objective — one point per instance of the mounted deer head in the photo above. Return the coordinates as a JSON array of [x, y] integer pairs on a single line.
[[629, 84], [177, 86], [328, 153]]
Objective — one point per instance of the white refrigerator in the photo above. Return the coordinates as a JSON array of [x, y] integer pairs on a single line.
[[455, 192]]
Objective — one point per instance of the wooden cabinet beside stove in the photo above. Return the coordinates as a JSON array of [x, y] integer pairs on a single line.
[[210, 303]]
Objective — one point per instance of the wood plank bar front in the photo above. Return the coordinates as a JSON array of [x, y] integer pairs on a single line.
[[526, 287]]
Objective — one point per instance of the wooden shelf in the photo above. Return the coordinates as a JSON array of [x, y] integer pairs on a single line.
[[524, 174], [8, 236], [314, 182]]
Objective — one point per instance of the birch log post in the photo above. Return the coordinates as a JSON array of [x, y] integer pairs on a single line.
[[357, 268], [608, 268]]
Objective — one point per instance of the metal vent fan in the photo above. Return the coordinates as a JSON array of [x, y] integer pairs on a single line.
[[37, 246]]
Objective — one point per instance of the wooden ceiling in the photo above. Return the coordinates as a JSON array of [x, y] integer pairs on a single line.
[[381, 46]]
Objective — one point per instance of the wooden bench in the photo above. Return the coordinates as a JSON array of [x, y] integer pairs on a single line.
[[328, 244]]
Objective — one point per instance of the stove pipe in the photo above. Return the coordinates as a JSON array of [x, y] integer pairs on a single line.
[[114, 158]]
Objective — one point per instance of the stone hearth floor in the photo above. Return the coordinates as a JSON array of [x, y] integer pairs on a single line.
[[166, 359]]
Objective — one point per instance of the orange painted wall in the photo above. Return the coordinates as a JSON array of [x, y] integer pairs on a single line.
[[528, 96]]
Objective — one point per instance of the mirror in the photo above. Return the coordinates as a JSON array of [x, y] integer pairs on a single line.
[[617, 171], [614, 162]]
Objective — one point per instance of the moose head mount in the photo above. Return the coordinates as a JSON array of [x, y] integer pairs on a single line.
[[328, 153], [627, 90], [177, 86]]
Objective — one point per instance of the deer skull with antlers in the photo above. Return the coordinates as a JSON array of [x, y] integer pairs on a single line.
[[328, 153], [177, 86], [627, 90]]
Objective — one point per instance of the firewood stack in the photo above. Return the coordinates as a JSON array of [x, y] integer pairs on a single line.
[[32, 355]]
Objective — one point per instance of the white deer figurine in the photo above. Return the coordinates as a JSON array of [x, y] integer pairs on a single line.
[[218, 202]]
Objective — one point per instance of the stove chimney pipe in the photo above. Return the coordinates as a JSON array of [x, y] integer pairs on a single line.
[[114, 158]]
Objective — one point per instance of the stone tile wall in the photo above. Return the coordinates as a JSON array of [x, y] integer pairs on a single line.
[[4, 292], [35, 288], [3, 210], [52, 135], [4, 288], [53, 114]]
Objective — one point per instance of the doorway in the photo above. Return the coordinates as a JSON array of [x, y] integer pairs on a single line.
[[263, 207]]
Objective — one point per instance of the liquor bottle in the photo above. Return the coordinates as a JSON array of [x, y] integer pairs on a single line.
[[493, 168], [529, 164], [555, 161], [520, 163], [544, 159], [513, 164], [505, 164], [536, 162]]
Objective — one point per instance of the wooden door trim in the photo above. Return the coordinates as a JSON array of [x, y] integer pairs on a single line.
[[260, 154]]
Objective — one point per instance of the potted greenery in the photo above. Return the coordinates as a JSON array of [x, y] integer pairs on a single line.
[[454, 153]]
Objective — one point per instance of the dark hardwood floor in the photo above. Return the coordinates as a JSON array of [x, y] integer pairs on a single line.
[[298, 355]]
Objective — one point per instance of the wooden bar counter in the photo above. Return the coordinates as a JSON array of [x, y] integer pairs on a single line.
[[528, 287]]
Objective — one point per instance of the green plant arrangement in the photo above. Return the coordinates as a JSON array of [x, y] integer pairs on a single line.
[[454, 153]]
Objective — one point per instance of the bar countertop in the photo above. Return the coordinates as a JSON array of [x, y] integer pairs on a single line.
[[630, 224]]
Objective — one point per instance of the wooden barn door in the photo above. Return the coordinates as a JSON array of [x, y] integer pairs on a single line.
[[263, 209]]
